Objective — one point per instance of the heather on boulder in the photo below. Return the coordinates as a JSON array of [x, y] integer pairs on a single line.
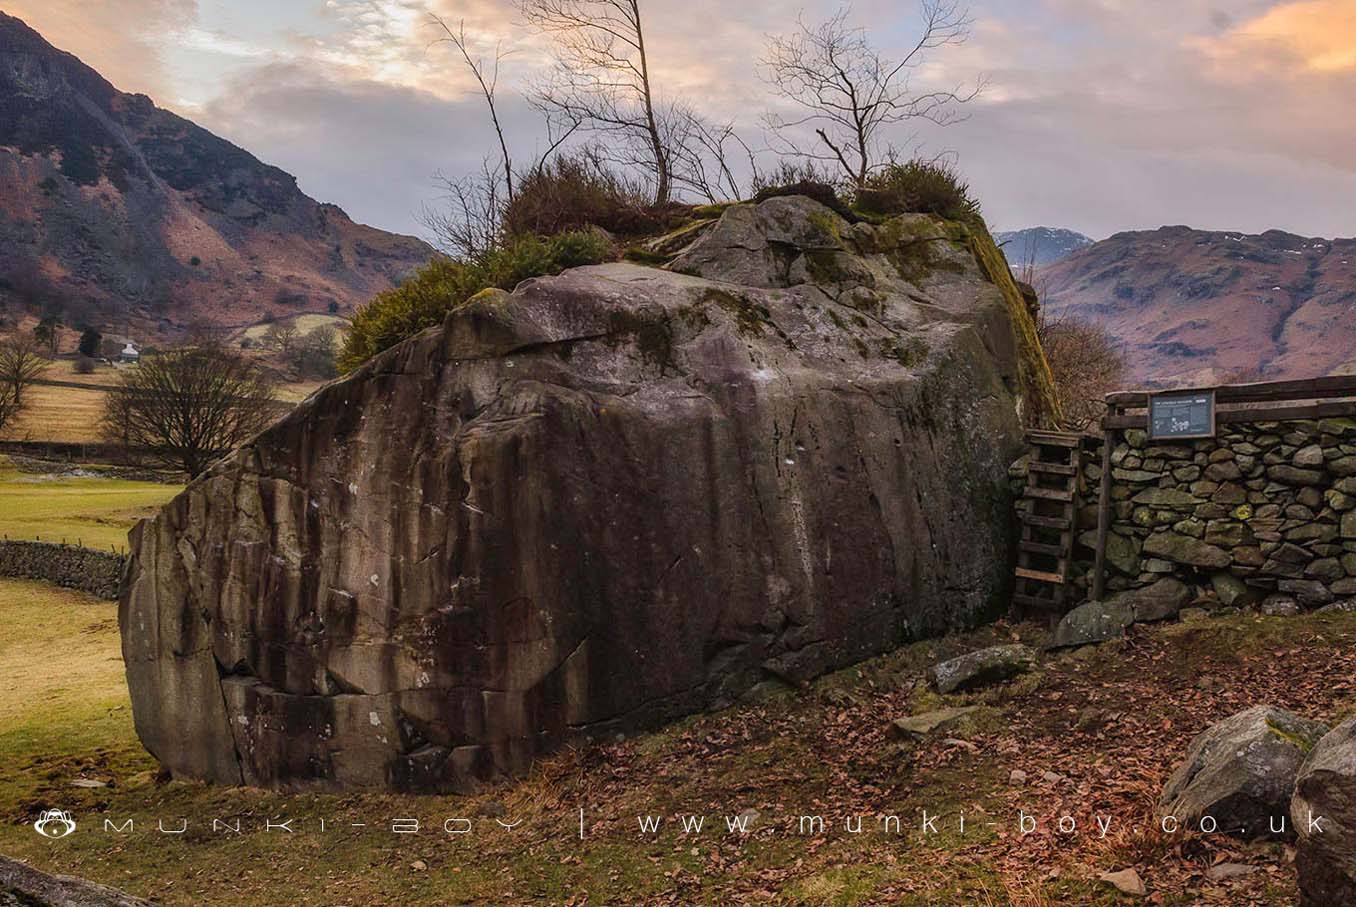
[[425, 299], [918, 187]]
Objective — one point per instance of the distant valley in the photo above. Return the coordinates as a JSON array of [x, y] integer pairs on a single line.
[[114, 211], [1200, 307]]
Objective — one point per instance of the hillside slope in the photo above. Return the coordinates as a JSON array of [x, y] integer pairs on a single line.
[[113, 210], [1194, 306]]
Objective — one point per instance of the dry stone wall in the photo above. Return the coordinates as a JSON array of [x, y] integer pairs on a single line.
[[1265, 509], [95, 572]]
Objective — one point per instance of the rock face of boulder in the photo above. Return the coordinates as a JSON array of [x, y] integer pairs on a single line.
[[1241, 773], [607, 499], [1325, 792]]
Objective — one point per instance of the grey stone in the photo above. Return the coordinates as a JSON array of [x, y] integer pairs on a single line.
[[1346, 606], [1339, 501], [1327, 569], [1092, 622], [1290, 475], [985, 666], [23, 886], [1126, 881], [1326, 786], [1226, 533], [1167, 497], [926, 723], [1308, 457], [1280, 606], [1343, 466], [1229, 589], [1159, 601], [1121, 552], [1241, 772], [1349, 525], [1185, 550], [1223, 472], [1309, 593]]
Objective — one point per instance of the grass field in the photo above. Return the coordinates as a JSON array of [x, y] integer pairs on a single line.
[[65, 414], [94, 512], [73, 414], [824, 749], [303, 323]]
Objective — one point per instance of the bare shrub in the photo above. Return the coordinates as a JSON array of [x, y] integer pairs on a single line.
[[1087, 364]]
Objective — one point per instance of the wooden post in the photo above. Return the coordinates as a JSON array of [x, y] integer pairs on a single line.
[[1103, 510]]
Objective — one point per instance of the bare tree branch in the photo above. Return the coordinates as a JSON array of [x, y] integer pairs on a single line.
[[601, 82], [847, 93], [488, 84]]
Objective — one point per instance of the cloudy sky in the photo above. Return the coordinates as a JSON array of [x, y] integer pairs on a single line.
[[1101, 115]]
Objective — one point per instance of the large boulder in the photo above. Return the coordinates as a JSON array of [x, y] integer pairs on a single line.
[[1323, 812], [1240, 773], [607, 499]]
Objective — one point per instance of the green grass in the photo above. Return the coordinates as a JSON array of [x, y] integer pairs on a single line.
[[64, 715], [94, 512]]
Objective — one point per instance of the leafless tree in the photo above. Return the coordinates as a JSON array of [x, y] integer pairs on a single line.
[[703, 155], [487, 77], [847, 93], [187, 406], [21, 364], [1087, 364], [601, 82], [469, 224]]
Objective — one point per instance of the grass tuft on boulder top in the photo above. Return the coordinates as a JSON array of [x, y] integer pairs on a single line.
[[917, 187]]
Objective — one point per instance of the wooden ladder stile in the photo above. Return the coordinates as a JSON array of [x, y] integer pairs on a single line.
[[1049, 519]]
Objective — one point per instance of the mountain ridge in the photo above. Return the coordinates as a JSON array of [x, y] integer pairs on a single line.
[[1038, 246], [1199, 306], [114, 209]]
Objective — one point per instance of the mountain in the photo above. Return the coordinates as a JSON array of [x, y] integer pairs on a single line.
[[115, 210], [1037, 246], [1193, 306]]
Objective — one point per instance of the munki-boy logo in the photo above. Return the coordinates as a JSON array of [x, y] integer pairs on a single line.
[[54, 824]]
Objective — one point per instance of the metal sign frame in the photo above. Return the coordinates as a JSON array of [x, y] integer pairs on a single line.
[[1205, 396]]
